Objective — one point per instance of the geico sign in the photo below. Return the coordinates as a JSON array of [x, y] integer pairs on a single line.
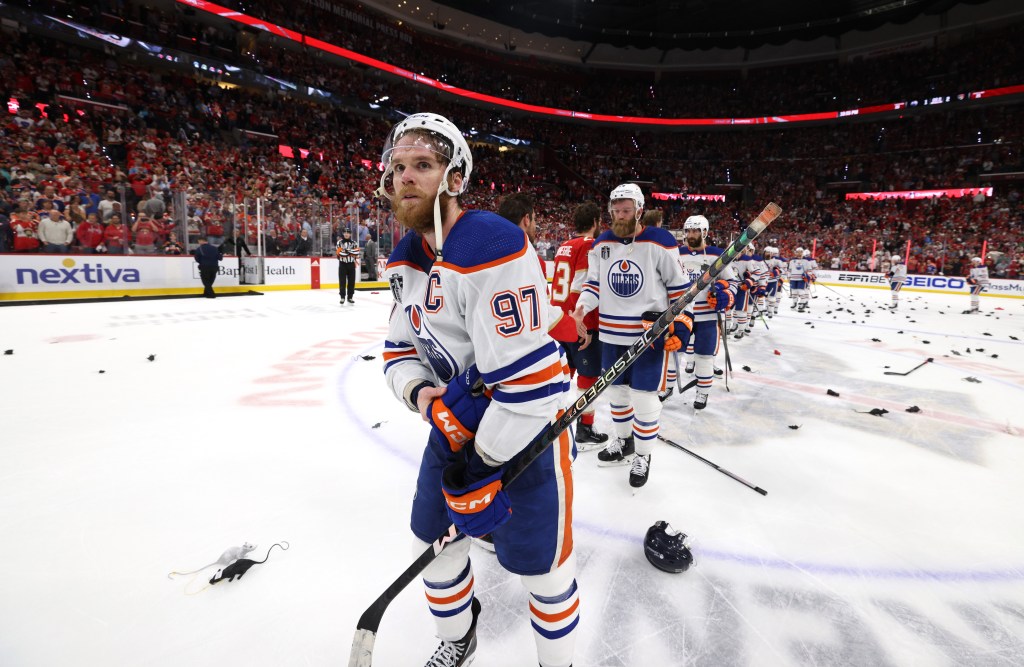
[[934, 282]]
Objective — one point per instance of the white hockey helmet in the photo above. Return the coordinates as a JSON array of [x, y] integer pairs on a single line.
[[799, 252], [440, 136], [697, 222], [807, 254], [627, 191], [896, 258], [768, 251], [751, 248], [976, 260]]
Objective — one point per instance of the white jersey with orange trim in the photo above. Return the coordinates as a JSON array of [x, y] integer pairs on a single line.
[[627, 277], [980, 274], [485, 304], [758, 269], [799, 269], [694, 263], [776, 267], [898, 273]]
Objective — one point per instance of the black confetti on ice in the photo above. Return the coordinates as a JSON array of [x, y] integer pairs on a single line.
[[795, 426], [973, 379], [367, 357], [1011, 337], [913, 408], [102, 371], [747, 369], [956, 353], [927, 342], [876, 340], [995, 356], [988, 334], [8, 352], [977, 349], [878, 412], [899, 332], [832, 393], [378, 424], [152, 357]]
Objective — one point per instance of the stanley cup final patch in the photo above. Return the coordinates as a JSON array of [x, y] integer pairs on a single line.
[[396, 287], [606, 252]]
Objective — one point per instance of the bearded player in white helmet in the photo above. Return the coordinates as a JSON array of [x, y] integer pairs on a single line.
[[633, 275], [468, 348], [695, 257]]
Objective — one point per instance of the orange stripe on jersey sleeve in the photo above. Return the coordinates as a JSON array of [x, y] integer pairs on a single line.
[[539, 377], [392, 265], [388, 356]]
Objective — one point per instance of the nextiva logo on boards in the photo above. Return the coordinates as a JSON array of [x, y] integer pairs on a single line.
[[86, 274], [936, 282]]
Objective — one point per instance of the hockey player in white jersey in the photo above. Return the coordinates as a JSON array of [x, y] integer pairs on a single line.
[[799, 279], [773, 287], [695, 257], [977, 281], [632, 275], [897, 275], [468, 348], [756, 282]]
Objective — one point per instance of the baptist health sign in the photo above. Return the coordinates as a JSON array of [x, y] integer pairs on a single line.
[[30, 277], [916, 283]]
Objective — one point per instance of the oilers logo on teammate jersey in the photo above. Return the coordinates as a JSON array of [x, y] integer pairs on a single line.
[[441, 360], [625, 278], [396, 287]]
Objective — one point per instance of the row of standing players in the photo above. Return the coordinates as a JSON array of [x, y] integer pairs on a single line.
[[977, 282], [469, 347]]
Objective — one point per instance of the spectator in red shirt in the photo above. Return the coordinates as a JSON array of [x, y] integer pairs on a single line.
[[89, 234], [115, 236]]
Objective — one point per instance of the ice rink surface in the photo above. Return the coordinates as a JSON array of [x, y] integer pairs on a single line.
[[883, 540]]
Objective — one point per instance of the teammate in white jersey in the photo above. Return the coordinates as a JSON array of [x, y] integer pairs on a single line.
[[800, 276], [977, 281], [632, 274], [772, 284], [695, 257], [897, 275], [468, 348]]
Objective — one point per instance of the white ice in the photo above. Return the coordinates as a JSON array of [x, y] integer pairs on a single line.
[[892, 540]]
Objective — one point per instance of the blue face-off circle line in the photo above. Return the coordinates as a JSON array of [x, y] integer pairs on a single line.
[[884, 573]]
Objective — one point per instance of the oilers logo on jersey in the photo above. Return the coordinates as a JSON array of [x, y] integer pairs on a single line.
[[441, 360], [625, 278]]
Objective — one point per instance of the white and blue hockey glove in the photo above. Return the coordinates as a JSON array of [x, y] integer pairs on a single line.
[[472, 491]]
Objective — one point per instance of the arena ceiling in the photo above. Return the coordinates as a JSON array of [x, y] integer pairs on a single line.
[[689, 24]]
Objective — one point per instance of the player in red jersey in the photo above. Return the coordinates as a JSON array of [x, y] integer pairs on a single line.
[[566, 283]]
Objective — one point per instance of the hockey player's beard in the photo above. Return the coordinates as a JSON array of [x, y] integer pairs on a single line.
[[624, 228], [418, 215], [695, 244]]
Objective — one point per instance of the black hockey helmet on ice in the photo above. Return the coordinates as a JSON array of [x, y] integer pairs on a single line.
[[666, 548]]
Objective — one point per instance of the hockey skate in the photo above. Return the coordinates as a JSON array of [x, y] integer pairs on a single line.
[[739, 334], [689, 367], [458, 653], [701, 401], [639, 471], [664, 395], [619, 452], [719, 372], [587, 438], [351, 300], [971, 311]]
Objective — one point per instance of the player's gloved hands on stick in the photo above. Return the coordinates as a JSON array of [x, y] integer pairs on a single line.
[[681, 327], [472, 491], [455, 415], [719, 296]]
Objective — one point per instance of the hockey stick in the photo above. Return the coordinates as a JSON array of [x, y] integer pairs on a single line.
[[368, 624], [679, 375], [845, 296], [725, 345], [929, 359], [761, 315], [716, 467]]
